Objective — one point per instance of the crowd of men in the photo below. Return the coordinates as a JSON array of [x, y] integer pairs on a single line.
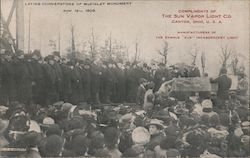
[[29, 78], [47, 110]]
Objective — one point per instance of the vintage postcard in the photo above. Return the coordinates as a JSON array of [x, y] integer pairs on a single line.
[[164, 78]]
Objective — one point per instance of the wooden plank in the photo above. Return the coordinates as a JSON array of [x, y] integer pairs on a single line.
[[195, 84]]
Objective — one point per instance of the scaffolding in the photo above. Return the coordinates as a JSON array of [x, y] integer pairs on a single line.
[[18, 41]]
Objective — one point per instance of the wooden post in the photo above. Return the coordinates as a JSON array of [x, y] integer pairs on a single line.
[[29, 35], [20, 24], [1, 18], [73, 42], [136, 51], [59, 41]]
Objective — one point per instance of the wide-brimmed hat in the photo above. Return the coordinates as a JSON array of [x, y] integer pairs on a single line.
[[140, 113], [245, 125], [127, 118], [140, 135], [207, 104], [245, 139], [48, 121], [158, 123], [232, 92]]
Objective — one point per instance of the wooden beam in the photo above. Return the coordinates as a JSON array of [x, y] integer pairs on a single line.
[[11, 13], [6, 28]]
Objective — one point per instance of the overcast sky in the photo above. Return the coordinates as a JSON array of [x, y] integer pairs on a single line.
[[142, 21]]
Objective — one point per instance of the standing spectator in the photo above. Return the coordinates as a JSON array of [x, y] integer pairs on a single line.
[[108, 80], [54, 146], [161, 75], [58, 72], [224, 84], [111, 136], [37, 72], [31, 141], [66, 82], [96, 74], [51, 81], [129, 82], [149, 98], [7, 75], [243, 84], [86, 80], [76, 83], [120, 87], [22, 79], [155, 126], [141, 91]]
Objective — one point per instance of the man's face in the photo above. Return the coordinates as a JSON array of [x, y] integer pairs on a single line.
[[120, 65], [213, 96], [7, 57], [194, 99], [35, 57], [64, 61], [2, 51], [51, 62], [110, 66], [153, 129], [40, 61], [20, 56], [56, 58]]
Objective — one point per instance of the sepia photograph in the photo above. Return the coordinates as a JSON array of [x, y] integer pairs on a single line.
[[117, 78]]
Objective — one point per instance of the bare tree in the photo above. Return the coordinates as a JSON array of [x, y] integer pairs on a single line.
[[164, 52], [136, 51], [194, 56], [226, 53], [93, 44], [234, 63], [73, 47], [203, 62]]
